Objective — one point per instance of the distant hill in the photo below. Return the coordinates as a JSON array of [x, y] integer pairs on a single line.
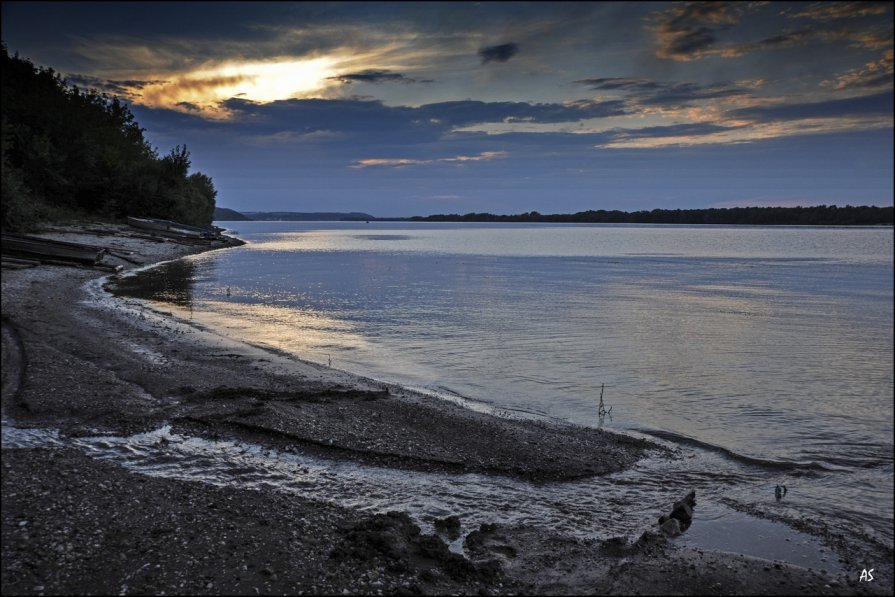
[[320, 216], [228, 215]]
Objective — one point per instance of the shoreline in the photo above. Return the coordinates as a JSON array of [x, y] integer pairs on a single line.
[[89, 369]]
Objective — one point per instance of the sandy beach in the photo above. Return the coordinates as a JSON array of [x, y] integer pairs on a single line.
[[79, 361]]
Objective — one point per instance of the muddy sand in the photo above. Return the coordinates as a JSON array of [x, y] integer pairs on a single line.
[[78, 361]]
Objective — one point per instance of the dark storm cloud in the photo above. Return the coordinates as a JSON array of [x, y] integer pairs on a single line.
[[377, 76], [878, 104], [500, 53], [654, 93]]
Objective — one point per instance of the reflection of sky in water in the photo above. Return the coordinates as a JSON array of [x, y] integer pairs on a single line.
[[283, 327], [573, 240], [782, 352]]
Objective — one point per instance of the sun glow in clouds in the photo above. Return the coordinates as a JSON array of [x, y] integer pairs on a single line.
[[203, 90]]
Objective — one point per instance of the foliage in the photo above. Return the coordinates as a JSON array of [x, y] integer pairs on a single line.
[[68, 152]]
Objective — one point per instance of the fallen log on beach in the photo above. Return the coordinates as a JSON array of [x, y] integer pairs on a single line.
[[44, 249], [11, 265], [23, 262], [167, 227]]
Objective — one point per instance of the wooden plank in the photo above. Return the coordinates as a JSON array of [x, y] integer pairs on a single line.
[[42, 248], [12, 265], [159, 225], [31, 262]]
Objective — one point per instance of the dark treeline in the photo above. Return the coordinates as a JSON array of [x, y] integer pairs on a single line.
[[71, 153], [823, 215]]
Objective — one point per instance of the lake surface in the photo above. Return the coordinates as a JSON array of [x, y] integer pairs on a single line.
[[768, 352]]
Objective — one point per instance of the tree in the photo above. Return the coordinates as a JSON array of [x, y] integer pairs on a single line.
[[68, 151]]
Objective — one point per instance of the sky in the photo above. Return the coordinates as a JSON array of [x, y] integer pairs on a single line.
[[418, 108]]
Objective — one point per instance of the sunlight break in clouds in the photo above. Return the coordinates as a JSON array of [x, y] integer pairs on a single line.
[[261, 82]]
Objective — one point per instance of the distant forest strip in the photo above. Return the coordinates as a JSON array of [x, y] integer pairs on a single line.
[[69, 153], [822, 215]]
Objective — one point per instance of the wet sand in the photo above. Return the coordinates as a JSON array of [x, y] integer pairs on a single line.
[[78, 361]]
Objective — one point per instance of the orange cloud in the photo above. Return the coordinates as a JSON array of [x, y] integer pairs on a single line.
[[874, 74], [755, 132], [834, 11]]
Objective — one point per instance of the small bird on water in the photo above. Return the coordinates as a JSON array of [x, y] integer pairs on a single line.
[[779, 491]]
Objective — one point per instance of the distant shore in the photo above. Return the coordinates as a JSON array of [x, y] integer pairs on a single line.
[[816, 215], [84, 364]]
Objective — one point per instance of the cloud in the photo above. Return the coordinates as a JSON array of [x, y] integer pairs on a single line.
[[363, 120], [97, 83], [855, 38], [465, 132], [874, 74], [622, 83], [878, 104], [698, 133], [690, 31], [832, 11], [675, 130], [292, 137], [126, 89], [403, 162], [687, 30], [189, 107], [194, 94], [835, 21], [136, 84], [754, 132], [775, 42], [653, 93], [469, 112], [878, 39], [500, 53], [377, 76]]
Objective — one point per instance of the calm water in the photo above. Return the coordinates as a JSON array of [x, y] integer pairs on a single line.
[[766, 351]]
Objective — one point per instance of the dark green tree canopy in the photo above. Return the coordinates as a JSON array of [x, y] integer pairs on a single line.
[[68, 151]]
